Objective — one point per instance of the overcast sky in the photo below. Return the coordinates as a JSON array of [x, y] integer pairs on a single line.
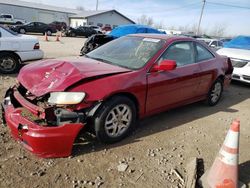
[[175, 12]]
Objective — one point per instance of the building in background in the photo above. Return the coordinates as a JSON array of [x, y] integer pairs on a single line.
[[99, 18], [36, 12]]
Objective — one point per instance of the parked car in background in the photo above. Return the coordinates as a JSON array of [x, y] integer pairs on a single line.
[[9, 19], [238, 49], [97, 28], [60, 26], [95, 41], [80, 31], [15, 49], [215, 44], [109, 89], [106, 29], [34, 27]]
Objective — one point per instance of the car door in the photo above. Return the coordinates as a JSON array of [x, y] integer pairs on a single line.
[[80, 31], [30, 27], [207, 62], [41, 27], [169, 88]]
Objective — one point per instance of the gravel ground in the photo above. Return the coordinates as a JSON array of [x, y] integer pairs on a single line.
[[160, 146]]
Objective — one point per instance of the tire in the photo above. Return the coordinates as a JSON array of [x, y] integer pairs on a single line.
[[22, 31], [49, 32], [18, 23], [9, 63], [108, 124], [215, 93]]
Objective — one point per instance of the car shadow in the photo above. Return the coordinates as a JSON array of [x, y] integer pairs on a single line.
[[235, 94]]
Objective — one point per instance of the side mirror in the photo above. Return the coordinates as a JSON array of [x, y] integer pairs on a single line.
[[165, 65], [213, 46]]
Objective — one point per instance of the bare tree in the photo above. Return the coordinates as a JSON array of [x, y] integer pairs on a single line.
[[218, 30], [145, 20], [159, 25], [81, 8]]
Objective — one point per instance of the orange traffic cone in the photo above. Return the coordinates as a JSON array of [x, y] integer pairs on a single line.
[[46, 37], [57, 37], [224, 171]]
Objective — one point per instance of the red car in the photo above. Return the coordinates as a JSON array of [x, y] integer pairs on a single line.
[[109, 89]]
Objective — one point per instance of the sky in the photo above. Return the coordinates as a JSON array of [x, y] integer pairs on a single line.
[[175, 13]]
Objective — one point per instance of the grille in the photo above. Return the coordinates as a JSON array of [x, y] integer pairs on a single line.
[[238, 63], [246, 77], [236, 76]]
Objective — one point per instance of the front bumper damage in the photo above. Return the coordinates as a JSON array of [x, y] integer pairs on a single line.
[[43, 140]]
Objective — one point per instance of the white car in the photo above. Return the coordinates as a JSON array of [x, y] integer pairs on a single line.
[[212, 43], [15, 49], [9, 19], [241, 62]]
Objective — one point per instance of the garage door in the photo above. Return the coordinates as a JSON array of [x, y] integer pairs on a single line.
[[46, 17]]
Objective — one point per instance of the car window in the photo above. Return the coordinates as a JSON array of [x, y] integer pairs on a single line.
[[181, 52], [6, 16], [203, 53], [220, 43], [40, 24], [31, 24], [214, 43], [82, 28]]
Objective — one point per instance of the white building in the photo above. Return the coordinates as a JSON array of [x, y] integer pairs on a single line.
[[100, 18], [36, 12]]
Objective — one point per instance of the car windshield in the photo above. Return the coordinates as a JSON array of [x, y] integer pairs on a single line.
[[129, 52]]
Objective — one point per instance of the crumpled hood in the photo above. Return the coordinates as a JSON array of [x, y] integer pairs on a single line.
[[48, 76]]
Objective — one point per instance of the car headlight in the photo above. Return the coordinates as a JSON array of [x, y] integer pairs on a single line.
[[63, 98]]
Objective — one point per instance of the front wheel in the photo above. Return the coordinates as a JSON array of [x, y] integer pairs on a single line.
[[9, 63], [215, 93], [22, 31], [115, 119]]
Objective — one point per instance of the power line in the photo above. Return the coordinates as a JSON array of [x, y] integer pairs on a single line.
[[228, 5], [187, 5]]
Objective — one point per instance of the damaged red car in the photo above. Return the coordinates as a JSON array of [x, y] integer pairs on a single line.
[[109, 89]]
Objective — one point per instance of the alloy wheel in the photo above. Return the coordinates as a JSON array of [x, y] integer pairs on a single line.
[[118, 120]]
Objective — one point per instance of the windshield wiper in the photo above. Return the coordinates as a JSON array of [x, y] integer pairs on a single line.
[[102, 60]]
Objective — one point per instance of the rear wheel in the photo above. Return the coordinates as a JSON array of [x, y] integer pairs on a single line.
[[9, 63], [49, 32], [115, 119], [215, 93]]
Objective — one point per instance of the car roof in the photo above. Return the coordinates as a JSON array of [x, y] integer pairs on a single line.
[[162, 36]]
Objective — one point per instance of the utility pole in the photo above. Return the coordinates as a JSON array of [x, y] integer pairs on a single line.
[[97, 2], [198, 29]]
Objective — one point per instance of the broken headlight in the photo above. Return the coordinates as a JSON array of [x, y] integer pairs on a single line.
[[66, 98]]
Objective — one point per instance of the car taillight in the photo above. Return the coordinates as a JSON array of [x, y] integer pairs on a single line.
[[229, 66], [36, 46]]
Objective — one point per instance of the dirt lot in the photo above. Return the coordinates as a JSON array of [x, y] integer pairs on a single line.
[[160, 143]]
